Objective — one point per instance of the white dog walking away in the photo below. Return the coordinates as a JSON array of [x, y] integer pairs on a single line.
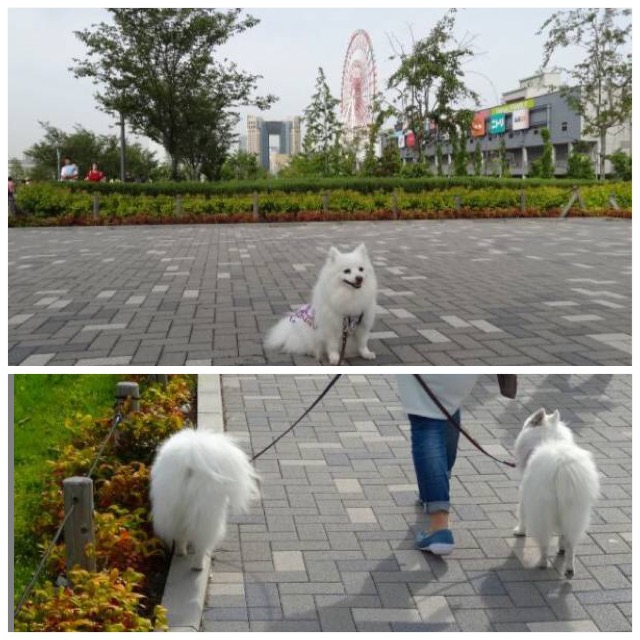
[[196, 478], [560, 486]]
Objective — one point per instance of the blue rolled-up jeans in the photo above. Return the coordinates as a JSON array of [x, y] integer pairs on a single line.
[[434, 446]]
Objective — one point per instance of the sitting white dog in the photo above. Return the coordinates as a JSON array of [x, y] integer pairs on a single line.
[[344, 300]]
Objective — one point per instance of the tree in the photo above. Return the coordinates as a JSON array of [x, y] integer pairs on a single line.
[[477, 159], [602, 92], [17, 170], [543, 166], [321, 143], [429, 81], [85, 147], [505, 169], [157, 68], [390, 163], [459, 153], [242, 166]]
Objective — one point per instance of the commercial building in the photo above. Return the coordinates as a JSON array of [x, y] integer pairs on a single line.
[[259, 132], [535, 104]]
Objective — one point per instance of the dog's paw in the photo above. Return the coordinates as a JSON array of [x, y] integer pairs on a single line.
[[367, 354], [334, 357], [519, 532]]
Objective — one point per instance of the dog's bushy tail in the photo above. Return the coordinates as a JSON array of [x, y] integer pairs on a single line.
[[290, 337], [578, 488]]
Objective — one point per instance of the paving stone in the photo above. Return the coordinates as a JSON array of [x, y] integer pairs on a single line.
[[447, 312], [316, 554]]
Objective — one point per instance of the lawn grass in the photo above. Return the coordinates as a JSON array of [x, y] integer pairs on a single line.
[[41, 405]]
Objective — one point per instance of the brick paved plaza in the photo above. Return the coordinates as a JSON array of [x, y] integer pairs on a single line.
[[518, 292], [329, 547]]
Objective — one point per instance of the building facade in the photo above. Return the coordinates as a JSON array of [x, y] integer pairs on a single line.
[[259, 132], [518, 122]]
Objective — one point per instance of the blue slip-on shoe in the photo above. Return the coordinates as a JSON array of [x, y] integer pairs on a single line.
[[440, 542]]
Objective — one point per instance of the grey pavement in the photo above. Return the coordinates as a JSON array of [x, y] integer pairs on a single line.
[[517, 292], [329, 546]]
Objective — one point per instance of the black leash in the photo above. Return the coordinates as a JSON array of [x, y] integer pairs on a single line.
[[348, 325], [315, 402], [455, 423]]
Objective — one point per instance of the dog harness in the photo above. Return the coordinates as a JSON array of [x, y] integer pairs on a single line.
[[306, 313]]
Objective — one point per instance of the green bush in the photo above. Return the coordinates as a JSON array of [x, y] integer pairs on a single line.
[[621, 162], [580, 166]]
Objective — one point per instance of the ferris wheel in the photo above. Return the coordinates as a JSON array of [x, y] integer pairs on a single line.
[[358, 83]]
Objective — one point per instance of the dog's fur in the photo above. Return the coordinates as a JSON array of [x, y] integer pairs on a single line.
[[560, 486], [346, 288], [196, 478]]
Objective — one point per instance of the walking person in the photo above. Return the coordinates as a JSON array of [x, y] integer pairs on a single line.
[[434, 447], [434, 444]]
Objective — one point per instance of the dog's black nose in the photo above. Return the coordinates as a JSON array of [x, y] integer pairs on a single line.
[[359, 279]]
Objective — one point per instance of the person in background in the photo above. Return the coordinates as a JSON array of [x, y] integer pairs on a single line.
[[69, 170], [434, 446], [12, 197], [95, 175]]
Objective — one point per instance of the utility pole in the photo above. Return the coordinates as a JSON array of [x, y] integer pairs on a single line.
[[122, 148]]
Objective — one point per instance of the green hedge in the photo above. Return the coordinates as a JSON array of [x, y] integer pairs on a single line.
[[361, 185], [47, 200]]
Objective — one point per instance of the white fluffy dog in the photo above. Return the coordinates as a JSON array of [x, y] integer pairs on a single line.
[[560, 486], [196, 478], [344, 296]]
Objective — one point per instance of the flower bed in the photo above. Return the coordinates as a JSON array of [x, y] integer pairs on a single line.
[[125, 591], [51, 204]]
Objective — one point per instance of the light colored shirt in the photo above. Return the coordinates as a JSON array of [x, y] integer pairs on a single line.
[[69, 171], [451, 389]]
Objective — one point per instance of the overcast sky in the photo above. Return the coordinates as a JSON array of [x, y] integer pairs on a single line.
[[286, 48]]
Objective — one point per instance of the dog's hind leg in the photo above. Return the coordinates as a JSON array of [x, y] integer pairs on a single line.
[[543, 542], [569, 551], [520, 529]]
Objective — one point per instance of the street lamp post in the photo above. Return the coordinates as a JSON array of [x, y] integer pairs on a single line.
[[122, 148]]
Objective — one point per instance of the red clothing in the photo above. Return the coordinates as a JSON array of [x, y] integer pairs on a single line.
[[95, 176]]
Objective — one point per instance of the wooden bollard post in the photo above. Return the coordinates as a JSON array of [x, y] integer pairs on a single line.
[[613, 202], [523, 202], [179, 207], [458, 203], [325, 202], [256, 211], [96, 206], [131, 390], [567, 207], [78, 530], [394, 204]]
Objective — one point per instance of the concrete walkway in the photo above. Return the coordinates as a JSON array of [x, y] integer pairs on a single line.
[[329, 547], [459, 292]]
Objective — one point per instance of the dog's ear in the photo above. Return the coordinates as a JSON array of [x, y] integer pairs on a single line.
[[332, 255], [555, 416], [537, 418], [362, 249]]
